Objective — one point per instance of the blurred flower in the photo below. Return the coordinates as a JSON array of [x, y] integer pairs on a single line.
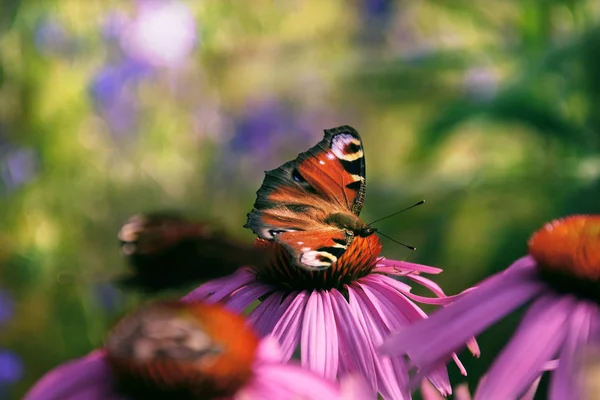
[[262, 126], [163, 33], [337, 317], [268, 125], [561, 276], [11, 367], [7, 307], [196, 351], [114, 25], [19, 166], [378, 9], [51, 37], [114, 92]]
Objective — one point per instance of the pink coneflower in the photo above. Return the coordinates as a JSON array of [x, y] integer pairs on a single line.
[[172, 350], [561, 277], [337, 317]]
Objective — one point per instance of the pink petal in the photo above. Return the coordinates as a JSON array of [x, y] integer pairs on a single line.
[[354, 387], [563, 384], [536, 341], [266, 315], [403, 267], [428, 284], [74, 377], [429, 392], [217, 289], [355, 353], [447, 330], [392, 374], [269, 350], [288, 381], [319, 342], [287, 330], [242, 298]]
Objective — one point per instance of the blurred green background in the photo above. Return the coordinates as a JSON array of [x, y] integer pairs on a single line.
[[490, 111]]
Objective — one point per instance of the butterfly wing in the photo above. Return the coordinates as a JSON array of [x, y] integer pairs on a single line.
[[299, 196], [315, 250]]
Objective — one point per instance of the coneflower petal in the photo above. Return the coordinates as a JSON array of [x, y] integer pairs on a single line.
[[319, 343], [539, 335], [393, 373], [266, 314], [287, 330], [81, 373], [484, 306], [220, 288], [563, 384], [245, 296], [355, 352]]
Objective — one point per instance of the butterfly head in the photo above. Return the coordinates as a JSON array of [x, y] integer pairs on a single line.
[[366, 231]]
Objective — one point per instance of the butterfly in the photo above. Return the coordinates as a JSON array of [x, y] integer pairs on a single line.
[[166, 250], [310, 205]]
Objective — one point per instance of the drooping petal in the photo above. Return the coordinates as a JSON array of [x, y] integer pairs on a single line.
[[282, 381], [539, 336], [217, 289], [72, 378], [269, 350], [399, 286], [464, 318], [266, 315], [355, 353], [392, 374], [398, 312], [355, 387], [563, 384], [319, 342], [246, 295], [393, 267], [287, 330]]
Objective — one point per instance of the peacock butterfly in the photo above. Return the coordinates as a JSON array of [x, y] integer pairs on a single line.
[[166, 250], [310, 205]]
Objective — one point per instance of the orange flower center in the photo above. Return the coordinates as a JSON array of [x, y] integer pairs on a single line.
[[181, 350], [357, 261], [567, 253]]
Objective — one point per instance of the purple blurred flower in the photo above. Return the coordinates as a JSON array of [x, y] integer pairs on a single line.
[[339, 317], [114, 25], [163, 33], [560, 278], [268, 125], [262, 127], [114, 92], [19, 166], [378, 9], [11, 367]]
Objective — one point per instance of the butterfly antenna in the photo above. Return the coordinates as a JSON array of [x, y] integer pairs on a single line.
[[395, 241], [396, 213]]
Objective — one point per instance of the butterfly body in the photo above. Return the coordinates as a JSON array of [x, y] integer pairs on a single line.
[[310, 205]]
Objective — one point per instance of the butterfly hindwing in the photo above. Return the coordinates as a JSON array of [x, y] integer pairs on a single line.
[[315, 250], [300, 195]]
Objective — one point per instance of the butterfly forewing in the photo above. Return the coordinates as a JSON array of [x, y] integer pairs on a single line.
[[303, 193]]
